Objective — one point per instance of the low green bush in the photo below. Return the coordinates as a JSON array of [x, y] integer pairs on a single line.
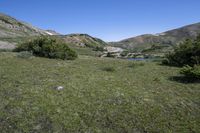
[[98, 48], [187, 53], [110, 55], [191, 72], [124, 53], [165, 61], [47, 47]]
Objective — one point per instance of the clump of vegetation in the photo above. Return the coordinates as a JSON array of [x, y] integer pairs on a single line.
[[191, 72], [110, 55], [47, 47], [187, 53], [109, 69], [98, 48], [124, 53], [165, 61]]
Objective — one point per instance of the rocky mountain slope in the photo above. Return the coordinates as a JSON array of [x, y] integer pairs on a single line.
[[10, 27], [13, 31], [164, 39]]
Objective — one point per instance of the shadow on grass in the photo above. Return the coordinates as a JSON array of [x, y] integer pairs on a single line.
[[183, 79], [168, 65], [109, 69]]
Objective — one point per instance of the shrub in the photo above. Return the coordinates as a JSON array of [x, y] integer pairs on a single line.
[[124, 53], [165, 61], [98, 48], [47, 47], [110, 55], [191, 72], [187, 53]]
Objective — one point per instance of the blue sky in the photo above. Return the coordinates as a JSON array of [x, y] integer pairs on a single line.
[[110, 20]]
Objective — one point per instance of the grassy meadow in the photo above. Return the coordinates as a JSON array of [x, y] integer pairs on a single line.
[[100, 95]]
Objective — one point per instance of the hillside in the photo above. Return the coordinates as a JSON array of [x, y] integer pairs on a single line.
[[13, 31], [84, 44], [164, 39], [11, 27], [83, 40]]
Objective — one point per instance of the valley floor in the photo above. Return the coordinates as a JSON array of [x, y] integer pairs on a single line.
[[99, 95]]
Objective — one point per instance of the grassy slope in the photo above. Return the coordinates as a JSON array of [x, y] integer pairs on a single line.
[[87, 40], [131, 99]]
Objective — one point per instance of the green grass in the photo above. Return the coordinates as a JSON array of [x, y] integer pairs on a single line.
[[16, 39], [130, 99], [85, 50]]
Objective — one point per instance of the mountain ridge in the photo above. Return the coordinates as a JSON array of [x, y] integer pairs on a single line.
[[11, 27], [167, 38], [13, 31]]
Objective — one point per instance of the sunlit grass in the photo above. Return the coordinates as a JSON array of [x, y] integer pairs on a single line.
[[135, 97]]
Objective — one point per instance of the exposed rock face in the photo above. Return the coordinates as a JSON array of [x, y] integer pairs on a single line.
[[110, 49], [112, 52]]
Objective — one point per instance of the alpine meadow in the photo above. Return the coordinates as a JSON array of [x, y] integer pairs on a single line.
[[60, 78]]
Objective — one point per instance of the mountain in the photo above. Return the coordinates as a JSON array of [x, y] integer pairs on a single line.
[[11, 27], [83, 40], [165, 39], [13, 31]]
